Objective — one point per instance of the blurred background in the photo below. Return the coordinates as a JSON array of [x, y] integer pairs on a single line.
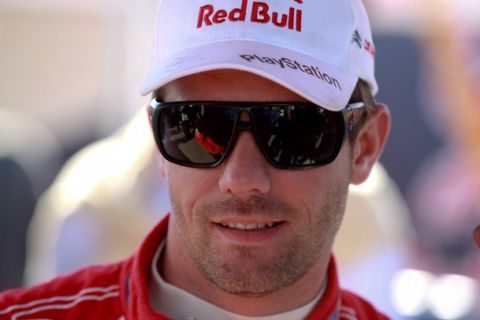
[[77, 163]]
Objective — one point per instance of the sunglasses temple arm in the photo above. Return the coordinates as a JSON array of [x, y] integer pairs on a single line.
[[353, 114]]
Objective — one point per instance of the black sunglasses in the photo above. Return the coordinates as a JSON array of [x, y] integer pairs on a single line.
[[291, 135]]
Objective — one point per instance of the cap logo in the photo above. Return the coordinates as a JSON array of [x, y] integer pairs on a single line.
[[363, 44], [260, 12], [284, 62], [357, 38], [370, 48]]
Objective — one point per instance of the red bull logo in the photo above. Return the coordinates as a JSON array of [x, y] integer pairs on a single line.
[[260, 12]]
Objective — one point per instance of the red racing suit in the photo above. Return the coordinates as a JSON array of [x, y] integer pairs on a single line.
[[119, 291]]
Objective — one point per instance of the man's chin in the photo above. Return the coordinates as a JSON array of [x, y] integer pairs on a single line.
[[251, 275]]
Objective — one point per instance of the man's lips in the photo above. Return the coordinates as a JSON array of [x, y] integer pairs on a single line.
[[244, 223], [247, 231], [250, 226]]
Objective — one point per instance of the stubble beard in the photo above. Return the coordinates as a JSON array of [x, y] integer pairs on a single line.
[[254, 271]]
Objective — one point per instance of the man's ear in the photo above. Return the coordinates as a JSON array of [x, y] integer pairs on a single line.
[[369, 143]]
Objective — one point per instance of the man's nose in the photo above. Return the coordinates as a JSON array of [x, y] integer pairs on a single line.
[[246, 172]]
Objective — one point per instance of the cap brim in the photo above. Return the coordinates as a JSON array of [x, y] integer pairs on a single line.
[[315, 80]]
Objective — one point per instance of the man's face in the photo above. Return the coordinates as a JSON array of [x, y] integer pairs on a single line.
[[248, 227]]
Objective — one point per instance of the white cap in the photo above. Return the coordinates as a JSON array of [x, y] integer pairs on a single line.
[[316, 48]]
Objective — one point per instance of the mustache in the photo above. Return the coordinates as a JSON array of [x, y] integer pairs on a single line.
[[257, 205]]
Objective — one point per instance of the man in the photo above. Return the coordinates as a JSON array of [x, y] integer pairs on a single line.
[[263, 113]]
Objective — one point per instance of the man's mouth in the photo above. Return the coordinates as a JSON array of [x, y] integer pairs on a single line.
[[250, 226], [248, 231]]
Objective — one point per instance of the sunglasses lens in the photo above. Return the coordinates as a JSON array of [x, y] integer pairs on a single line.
[[290, 135], [195, 134], [298, 136]]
